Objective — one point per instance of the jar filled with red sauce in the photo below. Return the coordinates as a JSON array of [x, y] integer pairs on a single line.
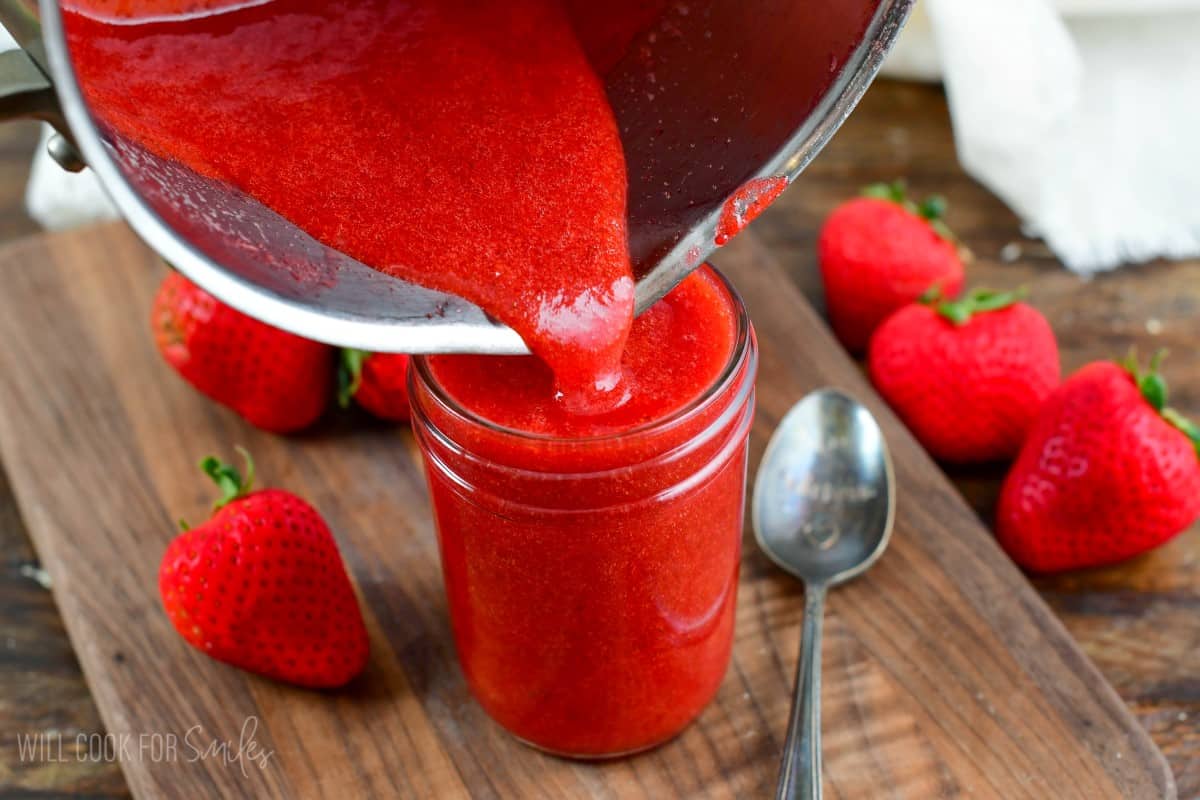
[[591, 562]]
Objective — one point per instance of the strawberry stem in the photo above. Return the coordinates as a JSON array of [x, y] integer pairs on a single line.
[[896, 191], [228, 479], [931, 295], [1151, 384], [932, 209], [977, 301], [1153, 387], [350, 366]]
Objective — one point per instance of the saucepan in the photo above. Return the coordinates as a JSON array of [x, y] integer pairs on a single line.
[[745, 90]]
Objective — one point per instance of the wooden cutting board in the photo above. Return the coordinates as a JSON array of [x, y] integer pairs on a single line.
[[945, 675]]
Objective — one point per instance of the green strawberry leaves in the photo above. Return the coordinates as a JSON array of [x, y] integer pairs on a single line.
[[1151, 384], [931, 209], [896, 192], [350, 366], [977, 301], [1153, 387], [228, 479]]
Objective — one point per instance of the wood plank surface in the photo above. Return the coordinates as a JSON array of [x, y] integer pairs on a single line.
[[43, 688], [946, 676]]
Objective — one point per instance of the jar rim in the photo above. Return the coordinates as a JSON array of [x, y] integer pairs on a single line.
[[737, 357]]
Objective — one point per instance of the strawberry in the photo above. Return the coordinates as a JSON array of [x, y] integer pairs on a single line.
[[275, 380], [261, 586], [967, 376], [1108, 472], [377, 381], [880, 252]]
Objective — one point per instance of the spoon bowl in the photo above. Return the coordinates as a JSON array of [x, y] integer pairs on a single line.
[[824, 497], [823, 507]]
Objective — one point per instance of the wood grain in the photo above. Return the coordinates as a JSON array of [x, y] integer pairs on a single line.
[[946, 675]]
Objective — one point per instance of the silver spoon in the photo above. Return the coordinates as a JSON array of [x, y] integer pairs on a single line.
[[824, 501]]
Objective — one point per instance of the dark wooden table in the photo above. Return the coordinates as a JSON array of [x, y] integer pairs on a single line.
[[1139, 622]]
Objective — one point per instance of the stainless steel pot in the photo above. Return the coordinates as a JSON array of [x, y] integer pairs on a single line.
[[745, 89]]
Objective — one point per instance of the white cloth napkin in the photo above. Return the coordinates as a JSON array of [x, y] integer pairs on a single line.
[[1083, 115], [57, 199]]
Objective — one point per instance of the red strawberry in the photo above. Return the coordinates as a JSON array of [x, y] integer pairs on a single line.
[[879, 253], [967, 376], [275, 380], [261, 586], [1107, 472], [377, 381]]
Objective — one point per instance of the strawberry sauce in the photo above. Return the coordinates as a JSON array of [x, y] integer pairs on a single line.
[[591, 562], [676, 351], [465, 146], [746, 204]]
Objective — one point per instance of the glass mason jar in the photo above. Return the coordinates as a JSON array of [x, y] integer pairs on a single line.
[[591, 582]]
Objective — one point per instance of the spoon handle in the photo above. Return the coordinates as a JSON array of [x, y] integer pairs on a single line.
[[800, 775]]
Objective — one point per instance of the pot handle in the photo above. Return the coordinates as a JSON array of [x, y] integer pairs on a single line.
[[26, 91]]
